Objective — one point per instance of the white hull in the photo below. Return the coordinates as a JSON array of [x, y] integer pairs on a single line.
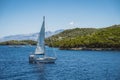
[[46, 60], [33, 59]]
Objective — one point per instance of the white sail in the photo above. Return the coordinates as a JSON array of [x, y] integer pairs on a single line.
[[40, 49]]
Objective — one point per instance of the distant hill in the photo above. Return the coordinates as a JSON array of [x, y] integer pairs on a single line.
[[87, 38], [70, 34], [32, 36]]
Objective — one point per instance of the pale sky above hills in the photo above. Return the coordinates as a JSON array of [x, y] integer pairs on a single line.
[[25, 16]]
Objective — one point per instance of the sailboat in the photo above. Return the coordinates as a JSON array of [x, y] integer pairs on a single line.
[[40, 49]]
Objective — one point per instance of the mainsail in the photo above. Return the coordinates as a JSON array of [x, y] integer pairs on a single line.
[[40, 49]]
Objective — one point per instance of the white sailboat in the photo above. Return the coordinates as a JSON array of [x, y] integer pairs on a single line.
[[40, 49]]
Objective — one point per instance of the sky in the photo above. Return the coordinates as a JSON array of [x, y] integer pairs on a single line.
[[25, 16]]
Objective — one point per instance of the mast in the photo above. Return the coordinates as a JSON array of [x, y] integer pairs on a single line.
[[44, 34], [44, 20]]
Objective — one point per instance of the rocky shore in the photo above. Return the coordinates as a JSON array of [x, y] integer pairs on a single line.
[[92, 49]]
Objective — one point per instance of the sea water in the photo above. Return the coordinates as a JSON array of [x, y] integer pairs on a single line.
[[70, 65]]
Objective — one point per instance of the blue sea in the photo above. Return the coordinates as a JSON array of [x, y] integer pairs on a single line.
[[70, 65]]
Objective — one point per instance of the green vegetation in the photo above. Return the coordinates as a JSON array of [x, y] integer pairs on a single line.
[[69, 35], [87, 38], [83, 38], [16, 42]]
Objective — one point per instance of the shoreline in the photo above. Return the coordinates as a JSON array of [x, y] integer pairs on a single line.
[[80, 48], [92, 49]]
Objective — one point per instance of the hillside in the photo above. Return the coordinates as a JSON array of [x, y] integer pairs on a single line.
[[86, 38], [16, 42], [70, 34]]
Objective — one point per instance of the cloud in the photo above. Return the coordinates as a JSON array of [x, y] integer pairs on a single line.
[[71, 23]]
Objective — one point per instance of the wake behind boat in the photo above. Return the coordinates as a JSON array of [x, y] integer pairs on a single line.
[[40, 49]]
